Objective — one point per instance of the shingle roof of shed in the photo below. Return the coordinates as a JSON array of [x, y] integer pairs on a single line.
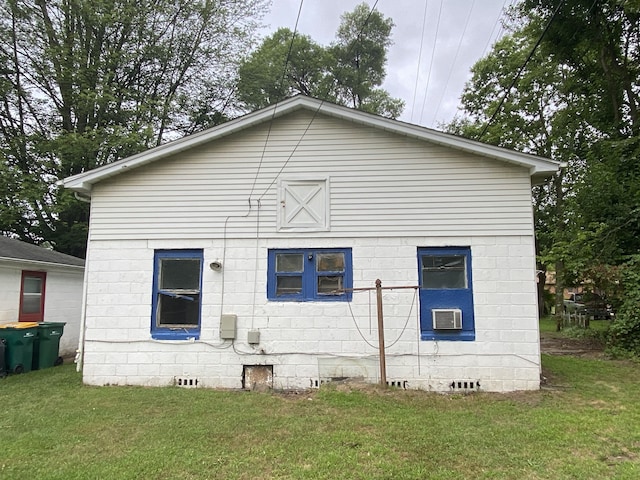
[[16, 250]]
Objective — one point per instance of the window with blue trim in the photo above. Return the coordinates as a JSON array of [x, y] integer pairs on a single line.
[[177, 299], [299, 275], [446, 293]]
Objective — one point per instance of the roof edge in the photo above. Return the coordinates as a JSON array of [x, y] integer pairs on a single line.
[[539, 167], [41, 263]]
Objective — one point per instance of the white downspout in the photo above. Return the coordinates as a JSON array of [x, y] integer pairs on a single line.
[[83, 312]]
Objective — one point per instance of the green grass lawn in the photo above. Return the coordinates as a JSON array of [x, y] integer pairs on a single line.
[[584, 425], [548, 326]]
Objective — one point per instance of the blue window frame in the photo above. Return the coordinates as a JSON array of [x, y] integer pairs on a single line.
[[177, 294], [320, 274], [446, 294]]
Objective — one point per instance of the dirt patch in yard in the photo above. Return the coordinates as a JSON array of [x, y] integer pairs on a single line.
[[551, 344]]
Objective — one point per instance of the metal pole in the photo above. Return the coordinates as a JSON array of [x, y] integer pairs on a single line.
[[383, 361]]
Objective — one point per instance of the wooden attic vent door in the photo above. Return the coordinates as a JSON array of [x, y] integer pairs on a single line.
[[304, 205]]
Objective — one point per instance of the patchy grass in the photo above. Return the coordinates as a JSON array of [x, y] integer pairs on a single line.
[[583, 425], [597, 328], [548, 325]]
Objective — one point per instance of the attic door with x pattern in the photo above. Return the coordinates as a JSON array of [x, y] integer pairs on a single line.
[[303, 205]]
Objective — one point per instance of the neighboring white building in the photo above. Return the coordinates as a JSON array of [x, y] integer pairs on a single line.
[[227, 258], [37, 284]]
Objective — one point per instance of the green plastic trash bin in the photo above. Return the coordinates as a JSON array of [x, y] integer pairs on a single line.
[[3, 370], [47, 345], [19, 337]]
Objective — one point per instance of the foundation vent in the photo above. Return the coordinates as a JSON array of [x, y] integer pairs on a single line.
[[186, 382], [465, 385], [404, 384]]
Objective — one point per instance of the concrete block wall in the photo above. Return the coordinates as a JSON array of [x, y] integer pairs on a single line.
[[308, 341]]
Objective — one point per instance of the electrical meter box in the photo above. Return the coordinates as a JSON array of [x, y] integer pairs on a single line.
[[228, 327], [253, 337]]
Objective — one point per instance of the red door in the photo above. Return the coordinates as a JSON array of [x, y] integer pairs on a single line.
[[32, 296]]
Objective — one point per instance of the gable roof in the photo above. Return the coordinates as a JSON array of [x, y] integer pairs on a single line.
[[539, 167], [15, 250]]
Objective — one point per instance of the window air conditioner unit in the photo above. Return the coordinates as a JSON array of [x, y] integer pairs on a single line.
[[447, 319]]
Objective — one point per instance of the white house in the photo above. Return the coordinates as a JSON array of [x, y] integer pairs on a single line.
[[235, 257], [37, 284]]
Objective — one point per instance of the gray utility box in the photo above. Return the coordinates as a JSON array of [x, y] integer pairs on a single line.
[[253, 337], [228, 327]]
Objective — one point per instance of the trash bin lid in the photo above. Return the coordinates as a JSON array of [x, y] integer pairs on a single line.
[[19, 325]]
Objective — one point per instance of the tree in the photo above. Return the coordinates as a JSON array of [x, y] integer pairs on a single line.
[[587, 66], [535, 118], [85, 83], [599, 42], [348, 72], [263, 78], [360, 57]]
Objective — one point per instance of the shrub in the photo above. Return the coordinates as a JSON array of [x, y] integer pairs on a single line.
[[624, 333]]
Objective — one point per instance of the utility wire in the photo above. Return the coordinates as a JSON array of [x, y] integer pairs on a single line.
[[415, 88], [282, 78], [517, 76], [315, 113], [453, 64], [493, 30], [433, 54]]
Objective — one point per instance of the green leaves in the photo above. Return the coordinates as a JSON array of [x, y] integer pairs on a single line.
[[263, 78], [576, 101], [85, 83], [348, 72]]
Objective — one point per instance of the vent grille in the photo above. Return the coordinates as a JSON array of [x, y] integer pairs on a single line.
[[465, 385], [404, 384], [185, 382], [449, 319]]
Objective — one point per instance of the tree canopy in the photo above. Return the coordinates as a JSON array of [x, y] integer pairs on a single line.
[[348, 72], [84, 83], [576, 100]]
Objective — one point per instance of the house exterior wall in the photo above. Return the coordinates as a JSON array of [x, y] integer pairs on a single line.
[[63, 298], [63, 303], [381, 185], [10, 276], [308, 341], [389, 195]]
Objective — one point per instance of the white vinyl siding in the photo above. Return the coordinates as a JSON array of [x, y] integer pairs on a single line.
[[382, 184]]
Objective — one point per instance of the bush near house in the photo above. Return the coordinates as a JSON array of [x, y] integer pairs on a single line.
[[624, 334]]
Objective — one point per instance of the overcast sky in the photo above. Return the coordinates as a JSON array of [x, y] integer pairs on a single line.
[[464, 33]]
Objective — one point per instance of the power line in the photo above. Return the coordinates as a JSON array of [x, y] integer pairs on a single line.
[[517, 76], [317, 110], [433, 54], [415, 88], [284, 74], [493, 30], [455, 58]]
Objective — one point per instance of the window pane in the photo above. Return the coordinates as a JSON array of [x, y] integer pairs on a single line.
[[330, 285], [32, 285], [31, 303], [180, 274], [289, 262], [330, 262], [178, 310], [288, 285], [442, 272], [444, 261]]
